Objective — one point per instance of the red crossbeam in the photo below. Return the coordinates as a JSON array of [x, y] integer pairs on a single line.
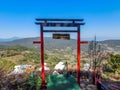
[[36, 42], [84, 42]]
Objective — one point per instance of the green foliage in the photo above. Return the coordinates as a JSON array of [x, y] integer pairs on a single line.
[[105, 76], [52, 61], [33, 56], [46, 56], [7, 65], [33, 82], [17, 48], [14, 50], [114, 63], [38, 83]]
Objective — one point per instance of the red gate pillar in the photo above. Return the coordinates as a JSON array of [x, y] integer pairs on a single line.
[[42, 57], [79, 42], [78, 55]]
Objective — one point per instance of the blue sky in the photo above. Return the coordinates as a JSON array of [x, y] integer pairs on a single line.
[[102, 17]]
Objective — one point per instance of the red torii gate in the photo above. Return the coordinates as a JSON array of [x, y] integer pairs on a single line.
[[60, 23]]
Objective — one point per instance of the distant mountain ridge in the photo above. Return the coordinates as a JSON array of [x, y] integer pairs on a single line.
[[49, 42], [9, 39], [112, 46], [108, 45]]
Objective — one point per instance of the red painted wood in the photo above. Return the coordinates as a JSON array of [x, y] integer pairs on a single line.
[[36, 42], [78, 55], [83, 42], [79, 42], [42, 56]]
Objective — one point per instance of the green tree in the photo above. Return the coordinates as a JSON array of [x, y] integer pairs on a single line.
[[114, 63]]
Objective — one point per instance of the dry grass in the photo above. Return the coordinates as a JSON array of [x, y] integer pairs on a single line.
[[14, 59]]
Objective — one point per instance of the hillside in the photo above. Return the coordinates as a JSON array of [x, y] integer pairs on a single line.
[[49, 43], [112, 46]]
